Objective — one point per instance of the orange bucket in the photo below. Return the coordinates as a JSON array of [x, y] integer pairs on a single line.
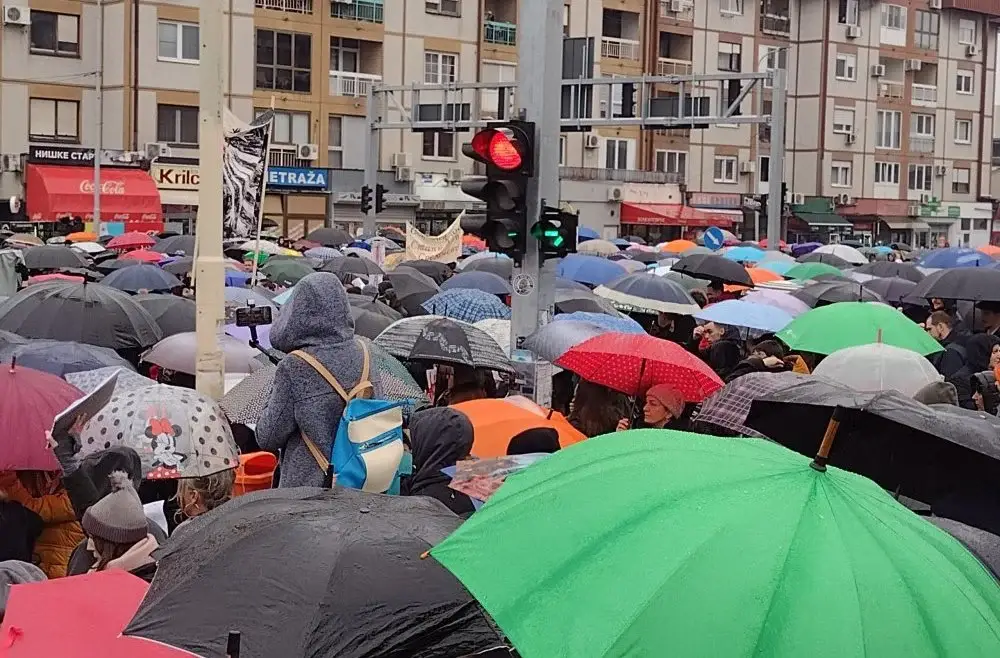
[[255, 472]]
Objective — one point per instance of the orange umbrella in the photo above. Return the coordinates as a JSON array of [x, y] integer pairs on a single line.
[[757, 275], [496, 422], [82, 236], [990, 250], [678, 246]]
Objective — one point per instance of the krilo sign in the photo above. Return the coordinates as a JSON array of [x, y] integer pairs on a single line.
[[175, 177]]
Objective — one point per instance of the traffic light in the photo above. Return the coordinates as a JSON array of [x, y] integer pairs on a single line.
[[366, 200], [379, 198], [556, 232], [508, 151]]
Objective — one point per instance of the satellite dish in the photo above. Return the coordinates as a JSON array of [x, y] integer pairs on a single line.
[[15, 204]]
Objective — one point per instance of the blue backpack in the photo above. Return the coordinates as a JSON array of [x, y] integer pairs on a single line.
[[368, 447]]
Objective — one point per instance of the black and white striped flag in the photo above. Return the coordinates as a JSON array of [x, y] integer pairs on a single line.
[[244, 165]]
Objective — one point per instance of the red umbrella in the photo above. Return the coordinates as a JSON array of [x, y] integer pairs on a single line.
[[29, 401], [631, 363], [42, 278], [80, 616], [133, 240], [144, 255]]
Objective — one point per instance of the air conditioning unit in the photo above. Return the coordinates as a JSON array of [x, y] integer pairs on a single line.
[[926, 198], [307, 151], [401, 160], [748, 167], [940, 170], [878, 70], [16, 15], [677, 6], [614, 194], [456, 174], [156, 150], [853, 31], [913, 65], [404, 174], [913, 210], [798, 199], [972, 50], [850, 138], [591, 141], [11, 162], [934, 4], [843, 200]]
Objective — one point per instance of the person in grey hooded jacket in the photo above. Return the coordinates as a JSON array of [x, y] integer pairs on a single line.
[[317, 320]]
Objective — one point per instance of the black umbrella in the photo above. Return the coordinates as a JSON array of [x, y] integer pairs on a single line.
[[369, 324], [177, 244], [437, 271], [646, 257], [976, 284], [488, 282], [109, 266], [634, 238], [352, 266], [502, 267], [52, 257], [822, 293], [568, 300], [407, 281], [83, 312], [984, 545], [330, 236], [9, 338], [892, 290], [303, 573], [890, 269], [373, 306], [829, 259], [714, 268], [142, 277], [62, 357], [173, 314], [443, 340], [644, 292]]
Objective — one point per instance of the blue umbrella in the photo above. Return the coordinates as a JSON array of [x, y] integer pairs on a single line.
[[282, 299], [883, 249], [745, 254], [360, 244], [476, 280], [592, 270], [737, 313], [63, 357], [237, 279], [622, 324], [141, 277], [584, 233], [777, 266], [467, 305], [620, 242], [949, 258]]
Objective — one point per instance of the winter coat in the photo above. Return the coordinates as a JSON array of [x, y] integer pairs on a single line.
[[977, 359], [19, 528], [61, 531], [439, 438], [952, 359], [317, 320]]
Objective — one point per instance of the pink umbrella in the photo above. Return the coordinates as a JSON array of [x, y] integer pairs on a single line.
[[143, 255], [42, 278], [778, 299], [132, 240], [29, 401]]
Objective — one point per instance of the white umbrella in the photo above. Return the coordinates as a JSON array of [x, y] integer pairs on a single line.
[[88, 247], [848, 253], [499, 330], [265, 247], [178, 353], [879, 367], [776, 257], [598, 248]]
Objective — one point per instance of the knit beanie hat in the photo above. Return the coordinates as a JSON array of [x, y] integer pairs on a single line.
[[668, 397], [15, 572], [118, 517]]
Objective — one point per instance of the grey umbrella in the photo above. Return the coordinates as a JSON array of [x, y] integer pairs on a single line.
[[443, 340], [368, 323], [485, 281], [644, 292], [330, 236], [173, 314], [984, 545], [374, 306], [352, 266], [569, 300], [503, 267], [176, 244], [62, 357], [556, 338], [142, 277], [53, 257], [831, 292]]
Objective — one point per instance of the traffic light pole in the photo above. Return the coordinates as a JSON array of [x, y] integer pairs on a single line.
[[371, 158], [776, 163]]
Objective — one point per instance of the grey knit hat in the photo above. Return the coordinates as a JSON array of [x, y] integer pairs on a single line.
[[118, 517], [15, 572]]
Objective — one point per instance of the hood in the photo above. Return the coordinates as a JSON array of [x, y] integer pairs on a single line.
[[439, 437], [978, 349], [937, 393], [99, 466], [318, 314]]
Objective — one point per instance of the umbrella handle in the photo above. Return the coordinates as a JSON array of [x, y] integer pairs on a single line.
[[233, 645], [638, 388], [819, 462]]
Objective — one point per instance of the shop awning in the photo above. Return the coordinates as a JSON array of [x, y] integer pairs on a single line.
[[674, 215], [127, 195], [823, 219], [904, 224]]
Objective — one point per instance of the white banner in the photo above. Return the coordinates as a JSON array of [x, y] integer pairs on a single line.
[[244, 168], [444, 248]]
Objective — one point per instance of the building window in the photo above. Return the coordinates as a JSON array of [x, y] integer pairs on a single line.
[[725, 169], [923, 125], [284, 61], [176, 124], [960, 181], [846, 67], [730, 56], [887, 125], [439, 145], [565, 20], [52, 120], [920, 177], [178, 42], [963, 131], [445, 7], [966, 30], [980, 224], [773, 58], [440, 68], [847, 12], [963, 82], [966, 224], [562, 151], [731, 6], [344, 54], [672, 162], [925, 32], [55, 34], [843, 120], [764, 169], [894, 17], [840, 174], [616, 154], [887, 173], [289, 127], [335, 147]]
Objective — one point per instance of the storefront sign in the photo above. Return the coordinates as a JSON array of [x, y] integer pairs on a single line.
[[175, 177], [299, 178], [710, 200], [78, 156]]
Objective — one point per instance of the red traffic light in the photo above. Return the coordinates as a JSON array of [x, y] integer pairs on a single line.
[[497, 148]]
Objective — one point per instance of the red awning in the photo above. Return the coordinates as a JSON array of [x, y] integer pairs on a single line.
[[127, 195], [672, 215]]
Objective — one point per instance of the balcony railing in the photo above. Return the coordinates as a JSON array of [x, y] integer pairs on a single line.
[[673, 132], [775, 24], [504, 34], [679, 10], [366, 11], [890, 89], [616, 175], [667, 66], [346, 83], [290, 6], [614, 48], [286, 157], [923, 94], [921, 144]]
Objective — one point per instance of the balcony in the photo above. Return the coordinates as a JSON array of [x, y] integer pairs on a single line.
[[365, 11], [504, 34], [775, 24], [923, 95], [891, 89], [921, 144], [615, 175], [281, 156], [346, 83], [667, 66], [289, 6], [679, 10], [614, 48]]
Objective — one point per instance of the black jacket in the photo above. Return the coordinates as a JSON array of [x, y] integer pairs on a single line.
[[439, 438], [953, 358]]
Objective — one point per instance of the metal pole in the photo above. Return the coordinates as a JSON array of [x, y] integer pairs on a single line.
[[372, 159], [775, 202], [209, 267], [99, 101]]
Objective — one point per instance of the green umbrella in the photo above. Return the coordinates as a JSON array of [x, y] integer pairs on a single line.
[[286, 272], [813, 270], [260, 256], [662, 543], [830, 328]]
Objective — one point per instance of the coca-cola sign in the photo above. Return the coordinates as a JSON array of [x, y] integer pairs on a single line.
[[111, 187]]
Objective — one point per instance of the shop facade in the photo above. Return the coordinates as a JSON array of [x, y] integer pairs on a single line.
[[296, 199], [924, 225], [177, 181], [660, 213]]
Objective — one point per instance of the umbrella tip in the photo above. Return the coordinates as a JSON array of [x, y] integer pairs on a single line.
[[13, 363], [878, 336], [425, 555]]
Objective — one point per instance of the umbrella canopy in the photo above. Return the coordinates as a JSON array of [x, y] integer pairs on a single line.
[[179, 353], [584, 233], [178, 433], [61, 358], [498, 330], [813, 270], [467, 305], [777, 299], [503, 267], [261, 247], [368, 323], [646, 257], [83, 312], [89, 380], [830, 292], [848, 324], [739, 313], [485, 281], [88, 247], [678, 246], [878, 367], [242, 296], [435, 270], [805, 248], [893, 289], [744, 254], [175, 244], [29, 402], [184, 265], [890, 269], [556, 338], [598, 247], [645, 292], [679, 516], [132, 240], [245, 402], [330, 236], [173, 314], [984, 545], [286, 272], [53, 257], [688, 282], [572, 300], [143, 277], [352, 266], [825, 258], [632, 363], [714, 268], [142, 256], [496, 422], [620, 323], [437, 339], [82, 236], [953, 257], [344, 577], [978, 284], [779, 267], [323, 253], [591, 270], [844, 252], [373, 305], [409, 282]]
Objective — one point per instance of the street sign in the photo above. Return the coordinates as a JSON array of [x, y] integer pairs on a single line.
[[713, 238]]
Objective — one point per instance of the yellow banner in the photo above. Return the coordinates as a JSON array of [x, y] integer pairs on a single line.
[[444, 248]]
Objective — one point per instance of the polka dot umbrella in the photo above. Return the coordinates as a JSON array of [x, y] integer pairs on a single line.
[[631, 363]]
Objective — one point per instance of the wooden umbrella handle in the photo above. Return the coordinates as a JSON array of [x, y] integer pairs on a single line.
[[819, 462]]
